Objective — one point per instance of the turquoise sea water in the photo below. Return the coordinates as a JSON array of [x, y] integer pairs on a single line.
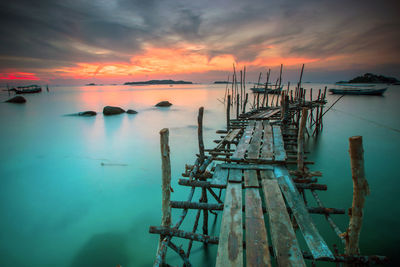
[[79, 191]]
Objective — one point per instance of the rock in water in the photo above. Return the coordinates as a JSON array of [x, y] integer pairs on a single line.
[[163, 104], [17, 99], [108, 110], [131, 111], [88, 113]]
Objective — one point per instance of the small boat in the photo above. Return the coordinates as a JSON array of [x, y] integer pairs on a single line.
[[355, 84], [357, 91], [30, 89], [268, 90]]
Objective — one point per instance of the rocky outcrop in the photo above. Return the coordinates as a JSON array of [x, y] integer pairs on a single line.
[[163, 104], [109, 110], [17, 100], [131, 111], [88, 113]]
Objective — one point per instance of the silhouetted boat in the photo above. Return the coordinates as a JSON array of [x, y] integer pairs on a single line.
[[30, 89], [357, 91]]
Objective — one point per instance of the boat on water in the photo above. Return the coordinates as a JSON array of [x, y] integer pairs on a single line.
[[358, 91], [268, 90], [30, 89], [355, 85]]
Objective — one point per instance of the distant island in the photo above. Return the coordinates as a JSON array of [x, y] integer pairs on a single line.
[[371, 78], [158, 82], [90, 84], [221, 82]]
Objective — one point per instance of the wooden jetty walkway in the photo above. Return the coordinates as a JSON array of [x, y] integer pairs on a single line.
[[260, 165]]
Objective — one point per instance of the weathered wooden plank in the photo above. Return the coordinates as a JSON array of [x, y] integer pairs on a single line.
[[255, 143], [279, 149], [318, 248], [259, 114], [220, 176], [250, 178], [246, 166], [283, 237], [257, 249], [230, 248], [235, 175], [267, 174], [271, 114], [267, 148], [232, 135], [244, 142]]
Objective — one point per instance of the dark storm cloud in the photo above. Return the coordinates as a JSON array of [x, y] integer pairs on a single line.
[[54, 33]]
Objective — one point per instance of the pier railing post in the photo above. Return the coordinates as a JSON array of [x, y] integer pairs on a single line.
[[360, 191], [300, 140], [166, 181], [237, 106]]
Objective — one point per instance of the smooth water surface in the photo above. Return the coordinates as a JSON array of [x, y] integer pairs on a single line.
[[83, 191]]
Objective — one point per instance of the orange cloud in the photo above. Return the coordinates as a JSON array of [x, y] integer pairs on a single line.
[[18, 76]]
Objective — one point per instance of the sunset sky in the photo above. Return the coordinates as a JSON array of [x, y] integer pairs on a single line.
[[77, 41]]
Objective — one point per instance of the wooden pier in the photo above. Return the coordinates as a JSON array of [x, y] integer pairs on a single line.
[[260, 169]]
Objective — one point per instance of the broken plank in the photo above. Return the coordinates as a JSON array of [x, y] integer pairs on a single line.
[[271, 114], [255, 143], [244, 142], [267, 148], [279, 149], [250, 178], [318, 248], [230, 248], [257, 249], [284, 242], [220, 176], [232, 135], [235, 175]]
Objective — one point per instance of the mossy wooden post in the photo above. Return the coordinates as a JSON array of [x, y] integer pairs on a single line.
[[228, 113], [300, 140], [200, 134], [166, 181], [360, 191]]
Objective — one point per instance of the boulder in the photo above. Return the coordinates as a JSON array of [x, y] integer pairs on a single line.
[[17, 99], [163, 104], [131, 111], [109, 110], [88, 113]]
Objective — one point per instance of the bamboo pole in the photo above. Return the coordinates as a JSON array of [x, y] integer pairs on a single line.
[[245, 103], [300, 141], [241, 89], [360, 191]]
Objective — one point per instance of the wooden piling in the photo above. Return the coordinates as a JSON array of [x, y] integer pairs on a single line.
[[228, 113], [237, 106], [200, 134], [300, 140], [360, 191], [245, 103], [166, 182]]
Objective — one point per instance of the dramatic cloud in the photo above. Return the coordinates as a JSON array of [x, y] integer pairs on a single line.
[[77, 39]]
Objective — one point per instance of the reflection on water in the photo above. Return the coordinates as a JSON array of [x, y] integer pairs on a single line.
[[60, 206]]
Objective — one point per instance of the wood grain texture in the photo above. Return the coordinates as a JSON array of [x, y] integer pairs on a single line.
[[255, 143], [318, 248], [230, 248]]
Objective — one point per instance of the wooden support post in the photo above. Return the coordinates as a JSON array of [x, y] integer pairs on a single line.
[[200, 134], [166, 182], [360, 191], [300, 141], [205, 212], [245, 103], [258, 100], [241, 89], [228, 113], [237, 106]]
